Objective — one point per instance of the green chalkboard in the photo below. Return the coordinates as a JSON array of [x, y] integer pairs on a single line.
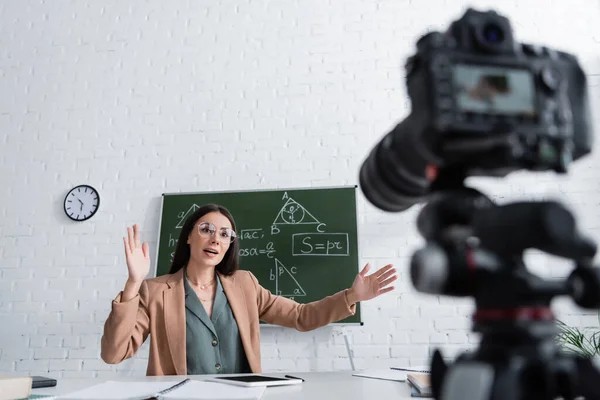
[[299, 243]]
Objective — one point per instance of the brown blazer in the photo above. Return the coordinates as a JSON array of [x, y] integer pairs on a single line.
[[159, 310]]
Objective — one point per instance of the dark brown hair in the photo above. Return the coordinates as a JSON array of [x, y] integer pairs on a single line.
[[230, 262]]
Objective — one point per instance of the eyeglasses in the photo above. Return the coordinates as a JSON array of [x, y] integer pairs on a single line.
[[208, 230]]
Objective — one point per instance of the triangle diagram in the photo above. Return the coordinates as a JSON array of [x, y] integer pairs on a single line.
[[285, 283], [293, 213], [192, 209]]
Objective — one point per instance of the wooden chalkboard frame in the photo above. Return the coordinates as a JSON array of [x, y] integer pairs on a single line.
[[354, 320]]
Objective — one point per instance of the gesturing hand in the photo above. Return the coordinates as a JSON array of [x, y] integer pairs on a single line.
[[137, 255], [369, 287]]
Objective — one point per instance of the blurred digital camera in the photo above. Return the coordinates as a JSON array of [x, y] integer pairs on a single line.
[[482, 104]]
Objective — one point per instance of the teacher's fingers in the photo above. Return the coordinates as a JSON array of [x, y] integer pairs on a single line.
[[365, 270], [386, 275], [146, 250], [127, 248], [383, 270], [387, 282], [136, 235], [130, 237], [387, 289]]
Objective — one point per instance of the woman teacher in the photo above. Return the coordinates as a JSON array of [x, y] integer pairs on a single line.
[[203, 317]]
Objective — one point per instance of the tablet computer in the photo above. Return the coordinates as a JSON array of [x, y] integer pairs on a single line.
[[42, 382], [256, 380]]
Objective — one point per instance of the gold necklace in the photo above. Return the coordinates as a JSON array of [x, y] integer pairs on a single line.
[[209, 300], [202, 285]]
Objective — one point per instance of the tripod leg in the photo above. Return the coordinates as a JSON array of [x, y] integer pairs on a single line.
[[588, 377], [438, 371]]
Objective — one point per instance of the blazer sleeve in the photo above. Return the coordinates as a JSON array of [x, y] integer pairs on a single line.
[[126, 327], [279, 310]]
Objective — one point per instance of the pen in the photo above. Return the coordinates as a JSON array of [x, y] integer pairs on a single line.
[[294, 377], [167, 390], [409, 370]]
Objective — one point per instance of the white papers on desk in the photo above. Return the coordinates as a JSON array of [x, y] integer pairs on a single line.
[[386, 374], [192, 390]]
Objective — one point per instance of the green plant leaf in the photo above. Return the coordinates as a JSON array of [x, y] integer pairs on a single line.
[[573, 340]]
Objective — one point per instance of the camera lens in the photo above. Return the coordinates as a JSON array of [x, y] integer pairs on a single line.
[[392, 177], [493, 34]]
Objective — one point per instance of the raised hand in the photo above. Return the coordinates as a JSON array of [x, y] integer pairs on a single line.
[[368, 287], [137, 255]]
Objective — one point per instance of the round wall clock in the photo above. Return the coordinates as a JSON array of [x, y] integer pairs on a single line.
[[82, 202]]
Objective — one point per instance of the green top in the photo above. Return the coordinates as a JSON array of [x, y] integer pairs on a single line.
[[213, 345]]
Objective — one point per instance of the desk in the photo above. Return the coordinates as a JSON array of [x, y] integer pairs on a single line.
[[317, 386]]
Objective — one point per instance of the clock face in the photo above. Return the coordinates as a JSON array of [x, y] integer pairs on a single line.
[[82, 202]]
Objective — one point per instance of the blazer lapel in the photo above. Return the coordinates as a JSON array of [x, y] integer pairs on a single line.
[[174, 312], [237, 302]]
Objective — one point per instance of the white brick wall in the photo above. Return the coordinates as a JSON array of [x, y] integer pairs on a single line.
[[146, 97]]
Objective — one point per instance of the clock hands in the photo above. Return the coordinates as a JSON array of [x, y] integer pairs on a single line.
[[87, 207]]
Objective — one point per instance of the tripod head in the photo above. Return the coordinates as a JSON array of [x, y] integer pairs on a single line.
[[475, 248]]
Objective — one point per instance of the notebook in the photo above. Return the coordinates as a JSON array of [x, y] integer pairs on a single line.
[[414, 392], [421, 382], [184, 390]]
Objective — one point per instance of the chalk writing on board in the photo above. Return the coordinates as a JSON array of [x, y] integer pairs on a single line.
[[320, 244], [268, 251], [183, 215], [285, 283], [249, 234], [293, 213]]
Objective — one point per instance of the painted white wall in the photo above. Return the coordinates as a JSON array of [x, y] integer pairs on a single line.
[[145, 97]]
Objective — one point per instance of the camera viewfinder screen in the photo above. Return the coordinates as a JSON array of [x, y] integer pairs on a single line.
[[494, 90]]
